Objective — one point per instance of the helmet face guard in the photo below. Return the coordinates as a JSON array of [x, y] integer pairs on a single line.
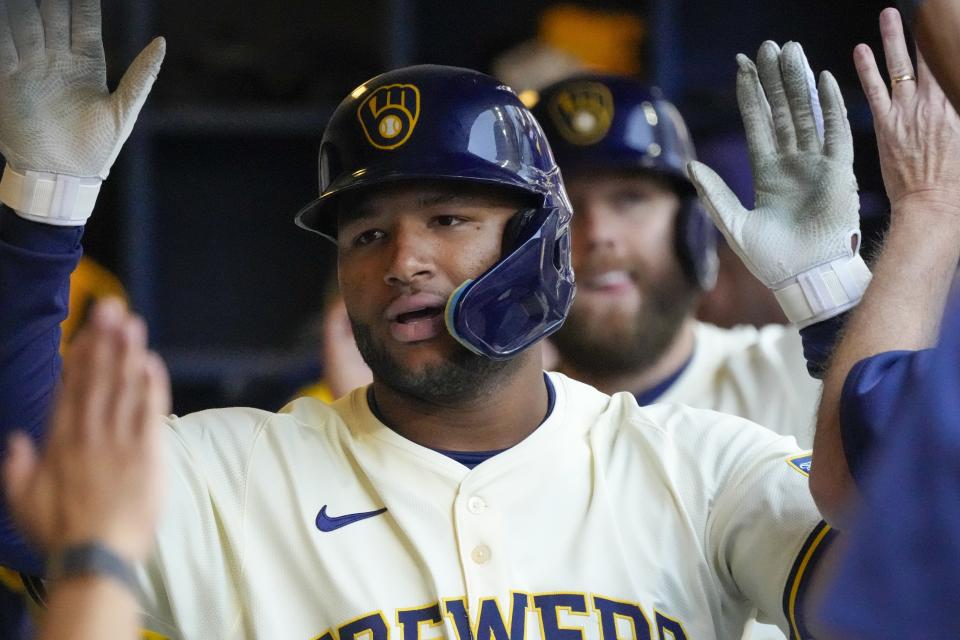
[[444, 123], [606, 122]]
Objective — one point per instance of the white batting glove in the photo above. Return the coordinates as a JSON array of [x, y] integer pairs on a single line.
[[802, 239], [60, 128]]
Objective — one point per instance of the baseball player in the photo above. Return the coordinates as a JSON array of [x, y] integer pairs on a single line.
[[644, 252], [464, 493]]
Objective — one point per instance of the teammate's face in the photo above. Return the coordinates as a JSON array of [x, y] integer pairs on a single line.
[[632, 295], [402, 250]]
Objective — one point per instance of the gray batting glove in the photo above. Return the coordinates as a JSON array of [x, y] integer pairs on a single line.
[[60, 128], [802, 238]]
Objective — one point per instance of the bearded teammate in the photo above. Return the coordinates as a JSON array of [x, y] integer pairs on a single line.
[[644, 252], [465, 492]]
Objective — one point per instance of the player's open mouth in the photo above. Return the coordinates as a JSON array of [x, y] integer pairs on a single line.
[[416, 317], [614, 281], [419, 314], [417, 325]]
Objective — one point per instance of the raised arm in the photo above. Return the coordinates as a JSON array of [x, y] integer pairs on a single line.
[[91, 500], [918, 135], [60, 132]]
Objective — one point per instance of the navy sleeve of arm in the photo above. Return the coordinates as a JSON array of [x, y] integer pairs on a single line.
[[36, 261], [873, 390], [898, 577], [819, 341]]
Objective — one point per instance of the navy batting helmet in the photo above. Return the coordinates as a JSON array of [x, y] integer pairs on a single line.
[[596, 121], [436, 122]]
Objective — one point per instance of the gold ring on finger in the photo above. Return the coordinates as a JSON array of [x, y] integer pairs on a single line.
[[907, 77]]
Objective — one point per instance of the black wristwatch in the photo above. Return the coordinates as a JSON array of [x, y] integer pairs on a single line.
[[91, 559]]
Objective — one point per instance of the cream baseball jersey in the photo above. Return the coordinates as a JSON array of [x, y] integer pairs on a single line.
[[608, 522], [757, 374]]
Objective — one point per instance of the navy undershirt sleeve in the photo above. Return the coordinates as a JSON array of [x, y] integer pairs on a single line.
[[819, 341], [898, 577], [36, 261]]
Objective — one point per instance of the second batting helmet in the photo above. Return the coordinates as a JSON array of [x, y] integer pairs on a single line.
[[444, 123], [599, 121]]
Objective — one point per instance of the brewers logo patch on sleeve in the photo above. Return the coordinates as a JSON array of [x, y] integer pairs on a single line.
[[801, 463], [389, 115]]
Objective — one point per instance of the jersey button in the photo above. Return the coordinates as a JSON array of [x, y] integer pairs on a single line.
[[480, 554], [476, 504]]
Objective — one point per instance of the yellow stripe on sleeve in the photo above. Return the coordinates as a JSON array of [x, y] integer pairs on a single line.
[[815, 544]]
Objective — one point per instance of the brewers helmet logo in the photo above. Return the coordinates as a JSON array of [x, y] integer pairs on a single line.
[[389, 115], [582, 112]]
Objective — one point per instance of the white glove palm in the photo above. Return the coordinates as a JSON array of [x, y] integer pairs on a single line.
[[800, 240], [60, 128]]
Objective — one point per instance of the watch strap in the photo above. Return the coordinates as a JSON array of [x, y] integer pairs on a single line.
[[91, 559]]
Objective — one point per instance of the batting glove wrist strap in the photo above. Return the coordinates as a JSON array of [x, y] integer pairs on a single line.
[[49, 198], [824, 291]]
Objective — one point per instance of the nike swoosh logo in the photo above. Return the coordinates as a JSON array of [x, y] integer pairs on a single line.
[[331, 523]]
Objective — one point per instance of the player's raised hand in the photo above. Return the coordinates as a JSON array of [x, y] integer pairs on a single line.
[[801, 238], [100, 476], [60, 127], [918, 131]]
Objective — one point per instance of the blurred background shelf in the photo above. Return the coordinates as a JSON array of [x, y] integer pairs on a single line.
[[238, 377], [201, 120]]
